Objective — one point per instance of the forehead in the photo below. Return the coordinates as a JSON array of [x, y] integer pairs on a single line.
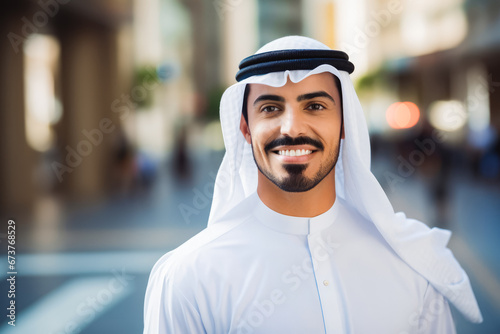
[[316, 82]]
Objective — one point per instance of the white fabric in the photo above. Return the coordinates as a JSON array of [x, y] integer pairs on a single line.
[[420, 248], [270, 273]]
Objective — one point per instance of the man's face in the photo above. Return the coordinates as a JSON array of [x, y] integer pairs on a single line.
[[295, 131]]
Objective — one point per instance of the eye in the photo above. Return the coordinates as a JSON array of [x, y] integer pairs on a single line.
[[269, 109], [315, 106]]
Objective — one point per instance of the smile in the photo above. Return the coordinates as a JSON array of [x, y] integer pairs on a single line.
[[294, 153]]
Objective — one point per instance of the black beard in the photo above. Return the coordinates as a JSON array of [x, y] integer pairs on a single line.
[[295, 181]]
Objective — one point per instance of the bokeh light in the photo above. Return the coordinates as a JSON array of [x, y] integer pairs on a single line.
[[402, 115], [447, 115]]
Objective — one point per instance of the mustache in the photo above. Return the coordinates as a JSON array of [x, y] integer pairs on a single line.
[[289, 141]]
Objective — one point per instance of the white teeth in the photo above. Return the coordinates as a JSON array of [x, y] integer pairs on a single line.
[[294, 153]]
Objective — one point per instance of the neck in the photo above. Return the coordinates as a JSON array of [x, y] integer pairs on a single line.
[[309, 203]]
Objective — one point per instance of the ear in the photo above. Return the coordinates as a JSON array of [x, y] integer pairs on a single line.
[[245, 130]]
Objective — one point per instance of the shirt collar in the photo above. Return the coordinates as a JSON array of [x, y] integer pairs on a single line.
[[295, 225]]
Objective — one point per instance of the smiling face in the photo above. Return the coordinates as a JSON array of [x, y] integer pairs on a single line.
[[295, 131]]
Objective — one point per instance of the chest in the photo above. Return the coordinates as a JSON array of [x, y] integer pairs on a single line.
[[318, 285]]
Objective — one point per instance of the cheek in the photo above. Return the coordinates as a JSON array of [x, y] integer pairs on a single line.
[[332, 126], [262, 133], [329, 134]]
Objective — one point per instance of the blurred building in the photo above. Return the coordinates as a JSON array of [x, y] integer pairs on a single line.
[[439, 55], [61, 66], [87, 87]]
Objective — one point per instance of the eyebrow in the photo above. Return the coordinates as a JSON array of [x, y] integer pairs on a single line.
[[269, 98], [313, 95]]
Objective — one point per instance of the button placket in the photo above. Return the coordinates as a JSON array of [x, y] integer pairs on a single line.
[[325, 281]]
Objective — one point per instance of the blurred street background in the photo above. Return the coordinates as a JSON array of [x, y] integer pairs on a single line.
[[110, 139]]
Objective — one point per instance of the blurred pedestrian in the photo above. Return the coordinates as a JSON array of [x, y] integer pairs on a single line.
[[182, 165]]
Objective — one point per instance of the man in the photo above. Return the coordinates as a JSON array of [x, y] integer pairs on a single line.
[[301, 237]]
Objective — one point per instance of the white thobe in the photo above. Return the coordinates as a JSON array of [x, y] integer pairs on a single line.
[[259, 271]]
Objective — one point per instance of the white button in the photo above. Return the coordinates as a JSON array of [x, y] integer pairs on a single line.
[[325, 283]]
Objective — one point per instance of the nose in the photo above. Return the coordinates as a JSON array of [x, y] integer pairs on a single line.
[[292, 122]]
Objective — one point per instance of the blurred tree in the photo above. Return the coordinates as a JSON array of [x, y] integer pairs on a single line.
[[143, 77], [214, 97]]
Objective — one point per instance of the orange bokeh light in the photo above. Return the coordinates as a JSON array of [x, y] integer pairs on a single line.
[[402, 115]]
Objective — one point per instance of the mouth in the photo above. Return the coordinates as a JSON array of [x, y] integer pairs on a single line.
[[294, 154], [293, 147]]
